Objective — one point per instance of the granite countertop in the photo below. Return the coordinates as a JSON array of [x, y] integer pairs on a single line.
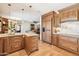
[[27, 34], [68, 34], [30, 34], [6, 34]]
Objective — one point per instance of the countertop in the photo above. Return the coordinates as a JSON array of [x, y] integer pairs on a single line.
[[27, 34], [68, 34]]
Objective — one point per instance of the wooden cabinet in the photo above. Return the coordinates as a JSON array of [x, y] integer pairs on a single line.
[[69, 13], [3, 25], [9, 44], [68, 43], [47, 24], [13, 43], [78, 46], [31, 44], [16, 43], [57, 20], [1, 46], [55, 39]]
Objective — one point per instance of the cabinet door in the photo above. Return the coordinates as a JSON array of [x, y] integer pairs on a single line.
[[54, 39], [57, 20], [13, 43], [68, 43], [1, 46], [48, 30], [4, 25], [69, 14], [78, 46], [7, 46], [31, 44], [16, 43]]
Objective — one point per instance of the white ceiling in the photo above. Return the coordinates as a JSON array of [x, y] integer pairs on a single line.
[[31, 14]]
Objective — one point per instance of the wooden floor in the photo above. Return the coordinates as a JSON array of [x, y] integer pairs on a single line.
[[44, 50]]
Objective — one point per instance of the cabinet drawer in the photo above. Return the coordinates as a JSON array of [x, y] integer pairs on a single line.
[[68, 43], [66, 14]]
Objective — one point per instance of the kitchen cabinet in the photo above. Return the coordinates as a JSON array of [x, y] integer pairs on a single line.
[[31, 44], [55, 39], [68, 43], [57, 20], [78, 46], [4, 25], [1, 46], [47, 24], [69, 13], [0, 25], [13, 43]]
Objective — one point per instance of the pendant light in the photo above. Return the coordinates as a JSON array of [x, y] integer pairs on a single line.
[[30, 6], [22, 13], [9, 5], [10, 22]]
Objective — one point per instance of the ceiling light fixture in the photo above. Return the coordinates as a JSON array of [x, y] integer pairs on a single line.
[[9, 5], [22, 13], [30, 6]]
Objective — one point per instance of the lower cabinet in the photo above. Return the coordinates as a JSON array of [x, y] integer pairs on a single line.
[[13, 43], [1, 46], [68, 43], [55, 39], [78, 46], [31, 44]]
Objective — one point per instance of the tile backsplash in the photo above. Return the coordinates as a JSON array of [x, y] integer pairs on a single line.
[[70, 27]]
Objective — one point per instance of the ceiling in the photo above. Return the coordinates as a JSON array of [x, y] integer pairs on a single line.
[[30, 14]]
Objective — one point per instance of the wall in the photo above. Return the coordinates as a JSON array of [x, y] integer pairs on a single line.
[[25, 26]]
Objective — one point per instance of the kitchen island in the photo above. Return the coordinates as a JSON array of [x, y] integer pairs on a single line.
[[10, 43]]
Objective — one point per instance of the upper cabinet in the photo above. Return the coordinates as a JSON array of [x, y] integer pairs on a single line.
[[56, 20], [48, 16], [3, 25], [70, 13]]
